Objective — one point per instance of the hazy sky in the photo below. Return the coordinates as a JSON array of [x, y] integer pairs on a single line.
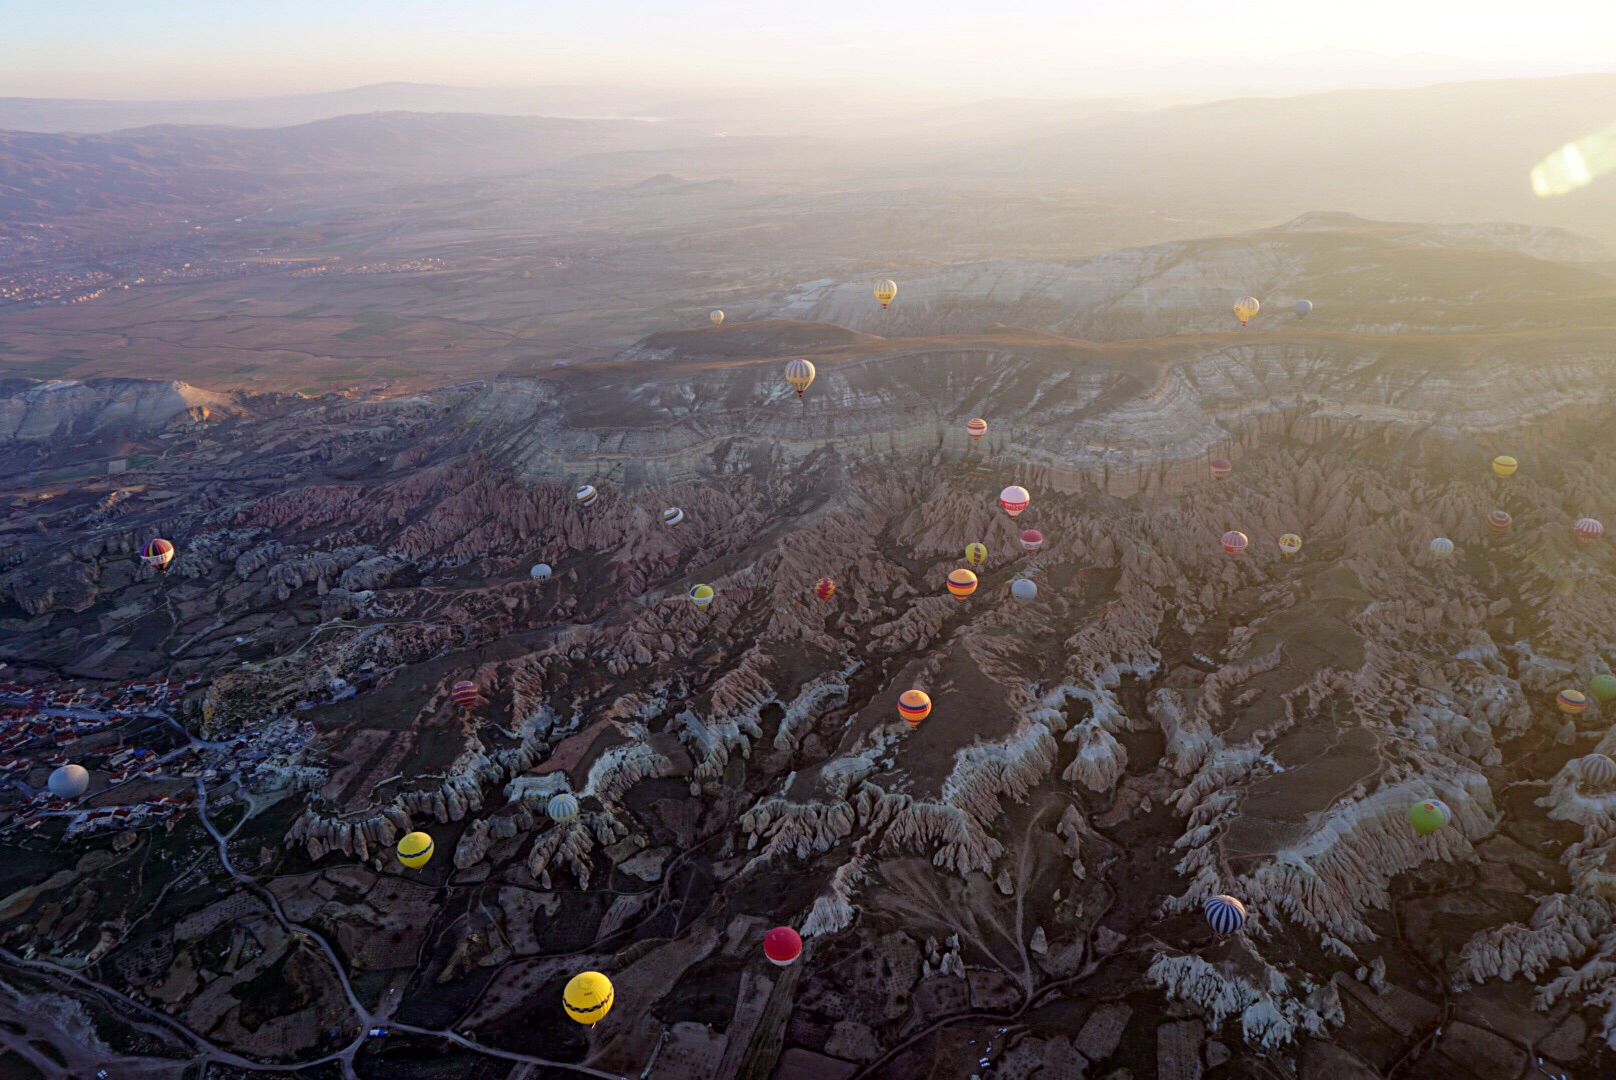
[[187, 48]]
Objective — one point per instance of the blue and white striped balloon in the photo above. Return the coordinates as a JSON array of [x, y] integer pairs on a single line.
[[1598, 771], [1225, 914], [563, 807]]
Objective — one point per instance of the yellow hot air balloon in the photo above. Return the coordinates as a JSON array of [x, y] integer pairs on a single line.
[[799, 373], [717, 317], [1245, 309], [976, 554], [1290, 544], [1504, 465], [701, 595], [415, 850], [885, 291], [588, 997]]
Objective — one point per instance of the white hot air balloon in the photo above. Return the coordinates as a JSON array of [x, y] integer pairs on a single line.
[[69, 782], [541, 573], [1024, 590]]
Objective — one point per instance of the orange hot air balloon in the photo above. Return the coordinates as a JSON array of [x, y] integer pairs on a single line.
[[464, 694], [1235, 542], [914, 706], [961, 583], [825, 589], [977, 428]]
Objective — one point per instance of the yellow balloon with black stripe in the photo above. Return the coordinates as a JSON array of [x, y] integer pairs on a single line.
[[415, 850], [588, 997], [976, 554]]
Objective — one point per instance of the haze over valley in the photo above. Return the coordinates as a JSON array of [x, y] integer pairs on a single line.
[[493, 586]]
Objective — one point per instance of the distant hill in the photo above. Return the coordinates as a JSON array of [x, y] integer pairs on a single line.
[[68, 176]]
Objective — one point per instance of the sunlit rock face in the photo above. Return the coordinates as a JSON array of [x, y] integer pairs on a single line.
[[1163, 723]]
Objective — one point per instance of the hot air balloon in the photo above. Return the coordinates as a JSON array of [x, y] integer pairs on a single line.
[[464, 694], [1442, 547], [1571, 702], [825, 588], [1224, 914], [415, 850], [1031, 540], [1245, 309], [1303, 308], [1498, 522], [1598, 771], [588, 997], [914, 706], [782, 946], [158, 553], [701, 595], [1429, 815], [976, 428], [1504, 465], [672, 516], [1221, 468], [586, 496], [541, 573], [69, 782], [1014, 499], [562, 807], [1588, 530], [976, 554], [1290, 544], [1603, 688], [1235, 543], [716, 317], [961, 583], [1024, 590], [885, 291], [800, 373]]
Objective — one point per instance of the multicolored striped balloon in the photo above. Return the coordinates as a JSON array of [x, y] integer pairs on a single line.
[[914, 706], [961, 583], [1498, 522], [1571, 702], [464, 694]]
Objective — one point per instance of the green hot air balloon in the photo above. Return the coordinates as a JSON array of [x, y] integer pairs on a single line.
[[1427, 816], [1603, 687]]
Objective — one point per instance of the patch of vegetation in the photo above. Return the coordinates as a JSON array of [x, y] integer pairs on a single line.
[[371, 324], [309, 312]]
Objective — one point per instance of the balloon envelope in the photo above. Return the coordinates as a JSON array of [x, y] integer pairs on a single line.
[[588, 997], [825, 589], [1246, 308], [158, 553], [782, 946], [672, 516], [1603, 687], [1588, 530], [563, 807], [1442, 547], [1235, 542], [541, 573], [415, 850], [464, 694], [717, 317], [976, 554], [914, 706], [69, 782], [1224, 914], [1014, 499], [701, 595], [961, 583], [586, 495], [1221, 468], [1504, 465], [885, 291], [977, 427], [800, 374], [1303, 308], [1498, 522], [1598, 771], [1290, 544], [1571, 702], [1427, 816], [1023, 590]]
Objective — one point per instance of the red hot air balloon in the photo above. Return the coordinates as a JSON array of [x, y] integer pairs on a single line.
[[1235, 543], [1014, 499], [1588, 530], [782, 946], [464, 694], [1032, 540], [825, 589], [1221, 468]]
